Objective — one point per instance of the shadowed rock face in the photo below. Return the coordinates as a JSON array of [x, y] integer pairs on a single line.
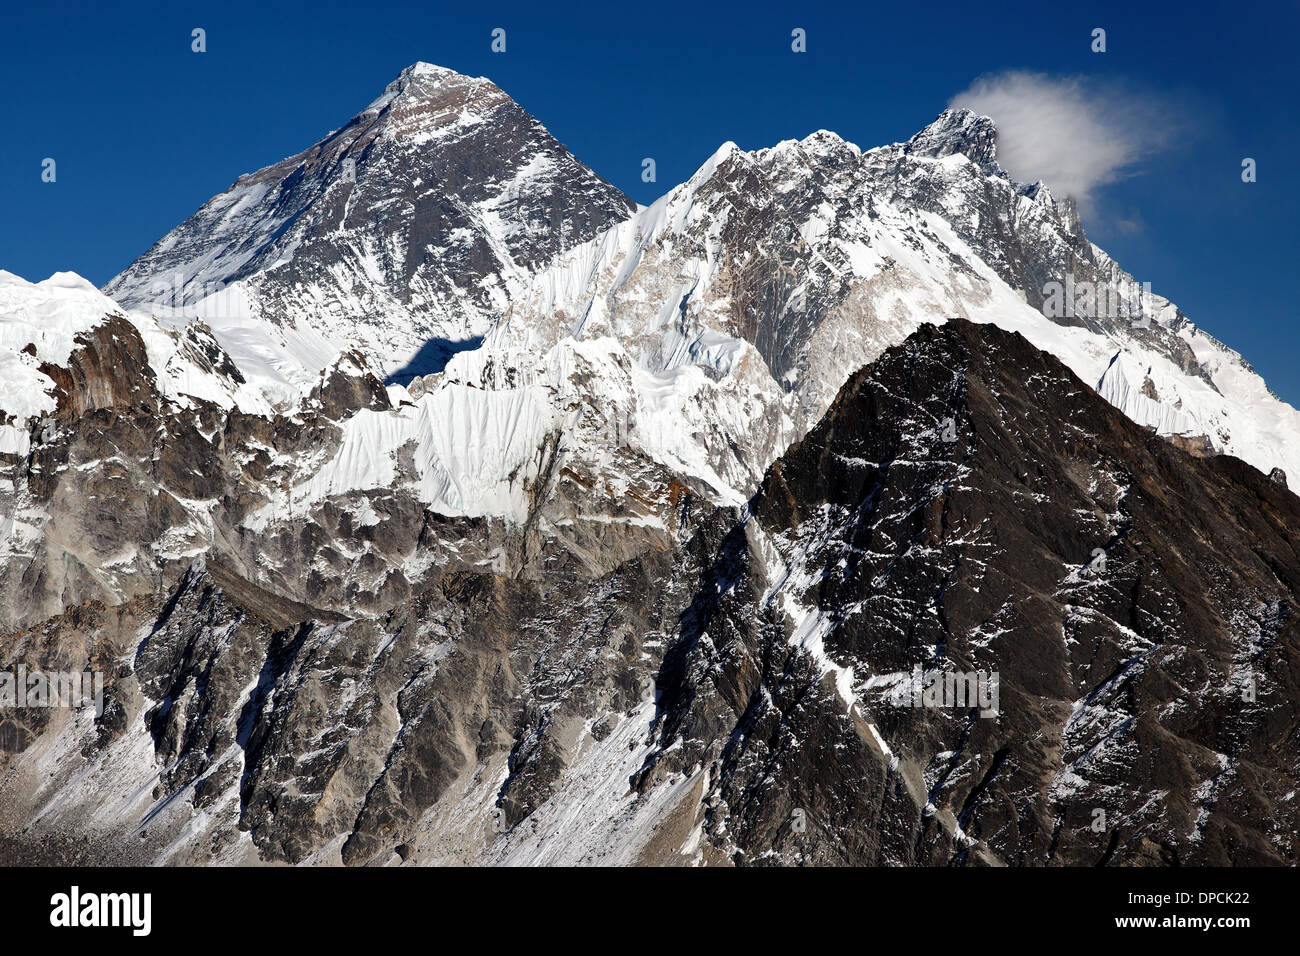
[[1138, 605], [966, 505]]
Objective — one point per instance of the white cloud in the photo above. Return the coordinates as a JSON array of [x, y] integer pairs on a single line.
[[1074, 136]]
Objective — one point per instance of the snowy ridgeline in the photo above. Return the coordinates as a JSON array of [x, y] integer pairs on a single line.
[[708, 330]]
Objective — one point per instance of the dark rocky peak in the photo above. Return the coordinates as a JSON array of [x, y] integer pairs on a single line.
[[968, 507], [957, 131], [435, 106]]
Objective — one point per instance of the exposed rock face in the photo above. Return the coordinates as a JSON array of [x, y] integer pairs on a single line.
[[108, 370], [123, 483], [1199, 445], [1278, 475], [966, 504]]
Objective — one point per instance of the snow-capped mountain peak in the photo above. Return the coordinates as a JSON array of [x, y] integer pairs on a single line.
[[419, 78], [405, 232], [778, 272], [958, 131]]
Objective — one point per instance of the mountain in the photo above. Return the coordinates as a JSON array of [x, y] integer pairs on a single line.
[[691, 705], [777, 273], [406, 231], [736, 305], [455, 509]]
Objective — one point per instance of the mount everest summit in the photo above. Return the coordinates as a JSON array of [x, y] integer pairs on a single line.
[[424, 500]]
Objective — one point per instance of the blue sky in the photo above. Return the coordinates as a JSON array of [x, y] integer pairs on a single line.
[[144, 131]]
